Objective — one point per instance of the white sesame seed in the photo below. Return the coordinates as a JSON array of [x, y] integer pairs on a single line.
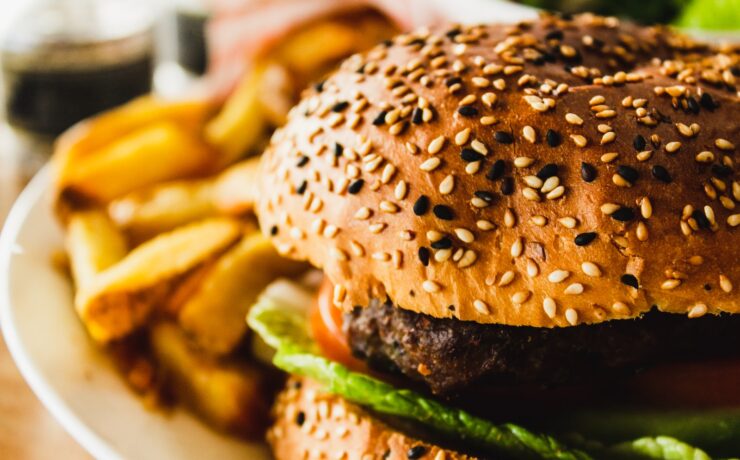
[[574, 289], [609, 208], [672, 146], [431, 164], [520, 297], [517, 247], [506, 278], [606, 114], [705, 157], [523, 162], [644, 155], [431, 286], [620, 308], [596, 100], [573, 119], [579, 140], [469, 257], [377, 228], [388, 173], [436, 145], [461, 138], [529, 134], [489, 99], [609, 157], [591, 269], [571, 316], [538, 220], [725, 284], [401, 190], [568, 222], [641, 231], [556, 193], [509, 218], [340, 293], [530, 194], [381, 256], [533, 181], [532, 268], [357, 248], [558, 276], [550, 307], [550, 184], [317, 226], [363, 213], [698, 310], [733, 220], [670, 284], [479, 147], [465, 235], [608, 138], [434, 235], [481, 306], [485, 225], [389, 207], [447, 185], [724, 144], [443, 255]]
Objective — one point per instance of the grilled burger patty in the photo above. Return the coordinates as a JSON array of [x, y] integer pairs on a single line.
[[449, 354]]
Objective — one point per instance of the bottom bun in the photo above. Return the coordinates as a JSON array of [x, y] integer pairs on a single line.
[[310, 423]]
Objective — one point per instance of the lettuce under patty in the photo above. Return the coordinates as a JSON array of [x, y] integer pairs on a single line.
[[283, 327]]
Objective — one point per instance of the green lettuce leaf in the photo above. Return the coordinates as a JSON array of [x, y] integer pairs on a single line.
[[711, 15], [296, 353]]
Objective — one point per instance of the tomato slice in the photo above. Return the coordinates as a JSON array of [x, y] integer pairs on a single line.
[[326, 325]]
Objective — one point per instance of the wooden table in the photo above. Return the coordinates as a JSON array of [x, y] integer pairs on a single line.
[[27, 430]]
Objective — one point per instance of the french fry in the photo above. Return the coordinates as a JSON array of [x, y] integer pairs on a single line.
[[120, 299], [240, 123], [93, 244], [236, 189], [308, 49], [229, 396], [89, 136], [214, 315], [163, 207], [158, 152]]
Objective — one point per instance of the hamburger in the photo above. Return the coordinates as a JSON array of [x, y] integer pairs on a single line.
[[523, 229]]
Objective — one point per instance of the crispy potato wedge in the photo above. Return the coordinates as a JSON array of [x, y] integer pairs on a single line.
[[91, 135], [215, 315], [163, 207], [232, 397], [93, 244], [239, 125], [120, 299], [155, 153], [236, 189]]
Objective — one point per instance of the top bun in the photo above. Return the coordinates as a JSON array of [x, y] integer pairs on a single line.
[[548, 173]]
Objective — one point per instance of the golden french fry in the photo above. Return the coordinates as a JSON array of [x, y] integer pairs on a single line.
[[158, 152], [120, 299], [89, 136], [314, 46], [239, 125], [162, 207], [236, 189], [93, 244], [229, 396], [214, 314]]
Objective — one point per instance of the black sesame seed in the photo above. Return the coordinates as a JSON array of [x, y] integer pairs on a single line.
[[421, 206], [507, 186], [319, 87], [302, 161], [630, 280], [424, 256], [502, 137], [452, 80], [623, 214], [628, 173], [416, 41], [443, 212], [693, 105], [338, 149], [452, 33], [662, 174], [469, 155], [497, 170], [484, 195], [300, 418], [701, 219], [416, 452], [467, 111], [549, 170], [274, 230], [339, 106], [416, 116], [387, 42], [556, 34], [302, 188], [356, 186], [707, 101], [588, 172], [549, 57], [444, 243], [639, 143], [598, 43], [380, 119], [721, 170], [553, 138], [584, 239]]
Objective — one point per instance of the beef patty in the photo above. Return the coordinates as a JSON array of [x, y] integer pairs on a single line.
[[449, 354]]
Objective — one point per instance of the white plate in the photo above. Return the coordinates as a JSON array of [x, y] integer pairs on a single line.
[[69, 374]]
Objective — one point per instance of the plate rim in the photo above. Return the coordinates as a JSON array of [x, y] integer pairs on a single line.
[[87, 437]]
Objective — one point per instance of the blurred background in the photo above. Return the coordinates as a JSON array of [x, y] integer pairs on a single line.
[[64, 60]]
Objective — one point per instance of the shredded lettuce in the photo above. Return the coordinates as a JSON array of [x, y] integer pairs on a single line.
[[284, 328]]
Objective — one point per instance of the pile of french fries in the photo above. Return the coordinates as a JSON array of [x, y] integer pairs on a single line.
[[157, 199]]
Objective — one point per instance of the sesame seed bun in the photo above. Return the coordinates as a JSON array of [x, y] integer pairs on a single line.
[[313, 424], [546, 174]]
